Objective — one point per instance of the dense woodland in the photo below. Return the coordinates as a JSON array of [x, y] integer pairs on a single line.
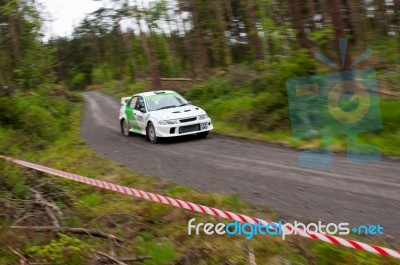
[[184, 38]]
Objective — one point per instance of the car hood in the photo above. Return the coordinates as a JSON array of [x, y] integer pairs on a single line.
[[178, 113]]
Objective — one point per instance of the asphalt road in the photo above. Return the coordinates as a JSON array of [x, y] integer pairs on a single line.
[[268, 175]]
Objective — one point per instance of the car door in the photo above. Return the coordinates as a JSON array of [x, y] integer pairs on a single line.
[[140, 112], [131, 114]]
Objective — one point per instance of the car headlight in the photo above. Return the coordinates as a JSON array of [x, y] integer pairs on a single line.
[[203, 117], [167, 122]]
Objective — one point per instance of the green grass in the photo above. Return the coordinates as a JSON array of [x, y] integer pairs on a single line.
[[162, 252], [387, 140]]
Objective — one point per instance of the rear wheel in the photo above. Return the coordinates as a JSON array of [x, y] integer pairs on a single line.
[[203, 134], [151, 133], [125, 128]]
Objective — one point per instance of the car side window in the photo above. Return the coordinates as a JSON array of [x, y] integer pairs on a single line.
[[133, 102], [139, 103]]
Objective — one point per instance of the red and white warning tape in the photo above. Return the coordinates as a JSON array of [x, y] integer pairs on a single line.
[[203, 209]]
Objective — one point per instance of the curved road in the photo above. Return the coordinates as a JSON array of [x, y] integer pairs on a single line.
[[266, 174]]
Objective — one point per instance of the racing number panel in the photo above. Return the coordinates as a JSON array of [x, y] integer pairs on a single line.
[[135, 117], [140, 119], [130, 114]]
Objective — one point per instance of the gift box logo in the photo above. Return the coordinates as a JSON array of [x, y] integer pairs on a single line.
[[344, 102]]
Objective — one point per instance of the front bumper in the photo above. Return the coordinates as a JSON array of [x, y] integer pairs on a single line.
[[173, 130]]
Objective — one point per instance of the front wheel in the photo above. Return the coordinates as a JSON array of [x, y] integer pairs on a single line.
[[203, 134], [151, 133]]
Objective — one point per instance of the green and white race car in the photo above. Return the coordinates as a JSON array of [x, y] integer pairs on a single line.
[[162, 114]]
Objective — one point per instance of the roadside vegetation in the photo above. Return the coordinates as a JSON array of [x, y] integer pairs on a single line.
[[152, 233], [264, 116], [245, 103]]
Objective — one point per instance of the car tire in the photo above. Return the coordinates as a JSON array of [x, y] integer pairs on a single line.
[[151, 133], [125, 128], [203, 134]]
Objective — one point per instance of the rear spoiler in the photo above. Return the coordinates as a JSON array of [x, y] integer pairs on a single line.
[[124, 100]]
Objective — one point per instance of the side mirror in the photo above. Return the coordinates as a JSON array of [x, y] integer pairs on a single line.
[[143, 110], [190, 103]]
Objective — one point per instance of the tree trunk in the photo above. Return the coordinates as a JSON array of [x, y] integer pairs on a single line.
[[381, 16], [229, 12], [224, 46], [186, 43], [338, 24], [171, 41], [127, 47], [357, 23], [397, 12], [297, 21], [311, 12], [151, 60], [130, 54], [397, 7], [337, 21], [202, 55], [326, 16], [252, 29], [13, 31]]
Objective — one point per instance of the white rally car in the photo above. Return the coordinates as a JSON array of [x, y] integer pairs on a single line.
[[162, 114]]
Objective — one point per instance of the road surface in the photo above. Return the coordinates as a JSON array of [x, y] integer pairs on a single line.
[[268, 175]]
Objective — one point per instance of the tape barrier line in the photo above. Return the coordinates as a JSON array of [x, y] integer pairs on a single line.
[[204, 209]]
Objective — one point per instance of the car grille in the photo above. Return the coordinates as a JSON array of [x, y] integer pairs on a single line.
[[188, 119], [190, 128]]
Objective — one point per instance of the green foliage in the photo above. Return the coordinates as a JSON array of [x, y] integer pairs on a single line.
[[15, 180], [179, 190], [90, 200], [240, 75], [322, 36], [256, 107], [245, 99], [26, 63], [326, 254], [78, 81], [387, 139], [160, 251], [99, 75], [386, 49], [209, 90], [269, 112], [32, 120], [63, 251], [390, 115], [235, 201]]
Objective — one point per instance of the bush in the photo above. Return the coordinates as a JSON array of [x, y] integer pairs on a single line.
[[240, 75], [78, 81], [270, 112], [258, 102], [210, 90], [65, 250], [32, 121]]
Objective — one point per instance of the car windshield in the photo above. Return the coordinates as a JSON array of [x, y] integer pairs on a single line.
[[165, 101]]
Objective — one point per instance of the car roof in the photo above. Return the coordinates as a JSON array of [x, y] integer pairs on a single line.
[[152, 93]]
